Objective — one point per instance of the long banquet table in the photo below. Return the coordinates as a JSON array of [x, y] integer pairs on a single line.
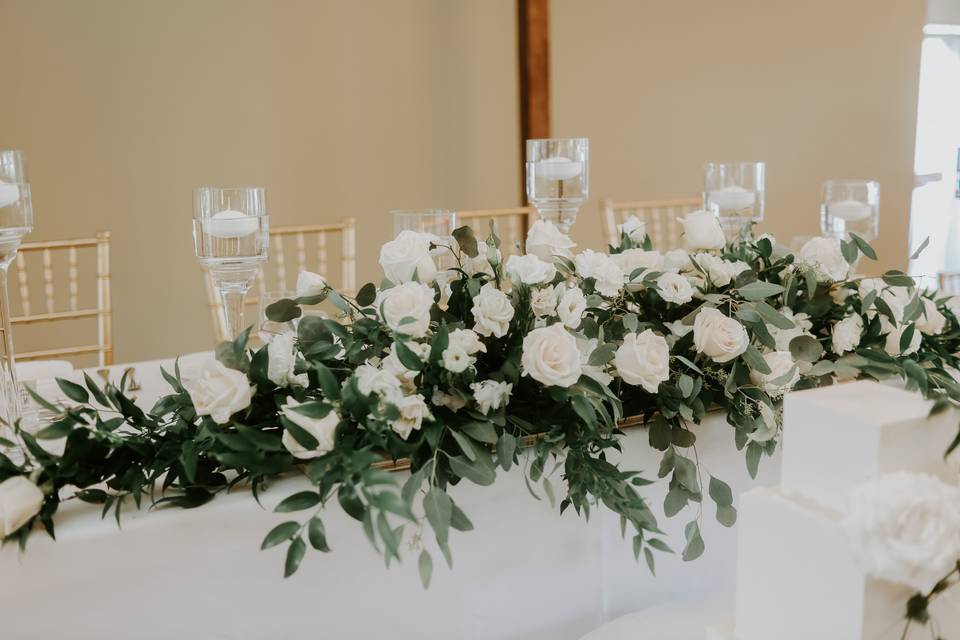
[[524, 572]]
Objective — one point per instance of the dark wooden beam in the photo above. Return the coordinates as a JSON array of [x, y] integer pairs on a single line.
[[534, 58]]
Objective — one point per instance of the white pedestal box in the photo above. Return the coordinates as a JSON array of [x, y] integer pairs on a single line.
[[835, 438]]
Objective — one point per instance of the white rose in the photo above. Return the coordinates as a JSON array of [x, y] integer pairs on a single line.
[[310, 284], [701, 230], [543, 301], [410, 300], [466, 340], [529, 270], [897, 298], [216, 390], [281, 360], [492, 311], [20, 500], [550, 356], [634, 228], [894, 333], [598, 373], [721, 272], [643, 359], [391, 364], [323, 429], [781, 363], [677, 259], [633, 259], [823, 255], [599, 266], [413, 411], [801, 327], [905, 527], [932, 322], [491, 395], [406, 255], [717, 336], [545, 241], [953, 305], [845, 335], [571, 307], [371, 380], [674, 288]]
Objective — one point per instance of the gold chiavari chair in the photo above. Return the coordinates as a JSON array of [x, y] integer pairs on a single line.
[[511, 225], [319, 241], [76, 253], [949, 281], [659, 215]]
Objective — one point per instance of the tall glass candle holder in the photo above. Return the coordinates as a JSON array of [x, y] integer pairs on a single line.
[[16, 221], [230, 233], [558, 178], [734, 191], [850, 206]]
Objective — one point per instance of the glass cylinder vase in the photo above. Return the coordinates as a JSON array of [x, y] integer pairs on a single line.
[[734, 192], [558, 178], [850, 206]]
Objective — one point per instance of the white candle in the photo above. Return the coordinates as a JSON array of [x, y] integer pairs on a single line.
[[559, 168], [9, 193], [230, 224], [849, 210], [732, 197]]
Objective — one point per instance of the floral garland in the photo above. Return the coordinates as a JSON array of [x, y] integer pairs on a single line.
[[486, 364]]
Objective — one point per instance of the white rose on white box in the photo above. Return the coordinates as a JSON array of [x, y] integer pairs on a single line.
[[216, 390], [571, 307], [20, 500], [823, 255], [675, 288], [932, 322], [551, 357], [634, 227], [545, 241], [702, 231], [492, 311], [413, 411], [781, 366], [411, 301], [717, 336], [406, 255], [281, 361], [606, 273], [491, 395], [529, 269], [322, 429], [643, 359], [846, 334]]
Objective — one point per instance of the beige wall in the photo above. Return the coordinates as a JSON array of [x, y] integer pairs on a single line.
[[817, 89]]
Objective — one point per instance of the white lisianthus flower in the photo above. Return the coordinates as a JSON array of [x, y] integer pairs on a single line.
[[456, 360], [491, 395], [720, 271], [550, 356], [281, 361], [717, 336], [781, 363], [413, 411], [407, 255], [643, 359], [310, 284], [932, 322], [543, 301], [601, 267], [492, 311], [701, 230], [323, 429], [374, 381], [823, 255], [466, 340], [216, 390], [634, 228], [20, 500], [894, 333], [406, 308], [675, 288], [905, 528], [845, 335], [448, 400], [529, 270], [633, 259], [587, 347], [677, 260], [545, 241], [571, 307], [801, 327]]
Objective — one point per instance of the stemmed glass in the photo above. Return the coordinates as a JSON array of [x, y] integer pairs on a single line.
[[734, 191], [16, 221], [558, 178], [850, 205], [230, 233]]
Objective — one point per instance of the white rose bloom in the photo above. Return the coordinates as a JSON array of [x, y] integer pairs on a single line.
[[456, 360], [491, 395], [545, 241], [717, 336], [529, 269], [543, 301], [675, 288], [677, 260], [550, 356], [634, 227], [466, 340], [216, 390], [406, 255], [413, 411], [20, 500], [599, 266], [643, 359], [391, 365], [932, 322], [801, 327], [587, 347], [720, 271], [374, 381], [409, 300], [450, 401], [281, 360], [781, 363], [896, 298], [845, 335], [571, 307], [823, 255], [894, 333], [323, 429], [953, 305], [701, 230], [310, 284], [633, 259], [492, 311], [905, 528]]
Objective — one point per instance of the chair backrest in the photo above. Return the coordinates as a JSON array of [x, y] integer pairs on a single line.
[[949, 281], [89, 303], [511, 225], [292, 250], [659, 215]]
